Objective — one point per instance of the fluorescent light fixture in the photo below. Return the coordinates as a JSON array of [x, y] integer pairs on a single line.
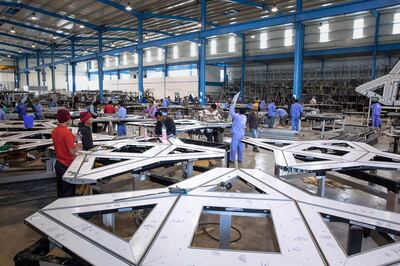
[[128, 7], [81, 26], [327, 4], [180, 4]]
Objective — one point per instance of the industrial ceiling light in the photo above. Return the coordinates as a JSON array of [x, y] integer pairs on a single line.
[[12, 30], [8, 56], [81, 26], [54, 37], [19, 51], [33, 17], [33, 45], [252, 36], [112, 44], [199, 25], [128, 7], [274, 8]]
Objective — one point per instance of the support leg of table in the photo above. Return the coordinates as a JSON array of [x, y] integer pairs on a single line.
[[225, 222]]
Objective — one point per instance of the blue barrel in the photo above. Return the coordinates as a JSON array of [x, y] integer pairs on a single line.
[[28, 121]]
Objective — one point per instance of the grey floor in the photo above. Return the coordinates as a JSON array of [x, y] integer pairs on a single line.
[[20, 200]]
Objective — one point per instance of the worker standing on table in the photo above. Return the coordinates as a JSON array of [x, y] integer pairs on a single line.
[[376, 115], [296, 110], [283, 116], [121, 114], [38, 108], [66, 149], [238, 130], [271, 114], [165, 122], [84, 130]]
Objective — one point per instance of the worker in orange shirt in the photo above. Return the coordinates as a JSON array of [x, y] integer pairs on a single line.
[[66, 149]]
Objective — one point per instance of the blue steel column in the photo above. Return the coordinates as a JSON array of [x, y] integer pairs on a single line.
[[27, 69], [140, 56], [43, 73], [202, 55], [17, 74], [376, 42], [73, 67], [37, 69], [298, 56], [165, 61], [100, 64], [243, 67], [67, 76], [52, 68]]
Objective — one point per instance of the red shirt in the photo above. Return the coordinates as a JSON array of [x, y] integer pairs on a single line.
[[109, 109], [63, 141]]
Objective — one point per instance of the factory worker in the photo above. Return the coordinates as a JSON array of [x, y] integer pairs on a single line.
[[2, 115], [313, 100], [84, 130], [376, 115], [253, 122], [151, 110], [283, 115], [65, 149], [271, 114], [21, 109], [52, 103], [165, 122], [296, 110], [238, 130], [38, 108], [121, 114], [263, 106]]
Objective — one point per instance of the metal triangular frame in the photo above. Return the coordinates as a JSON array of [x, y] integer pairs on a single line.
[[303, 237], [390, 84], [81, 171]]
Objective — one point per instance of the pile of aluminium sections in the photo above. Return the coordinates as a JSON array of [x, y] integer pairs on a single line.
[[165, 236]]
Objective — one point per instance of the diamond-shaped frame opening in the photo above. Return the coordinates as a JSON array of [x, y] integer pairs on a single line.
[[236, 185], [133, 148]]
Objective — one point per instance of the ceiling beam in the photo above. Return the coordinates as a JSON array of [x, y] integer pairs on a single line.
[[248, 3], [17, 46], [49, 13], [22, 25], [19, 37], [136, 30], [148, 14]]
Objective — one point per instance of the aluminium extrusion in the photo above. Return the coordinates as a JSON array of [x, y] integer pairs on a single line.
[[165, 236], [82, 170]]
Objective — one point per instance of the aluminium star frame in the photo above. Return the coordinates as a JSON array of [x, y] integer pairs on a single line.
[[165, 236]]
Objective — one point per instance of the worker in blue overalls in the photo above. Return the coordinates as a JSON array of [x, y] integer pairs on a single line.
[[296, 110], [271, 114], [238, 130], [376, 115]]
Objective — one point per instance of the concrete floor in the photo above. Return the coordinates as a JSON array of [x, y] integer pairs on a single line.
[[17, 204]]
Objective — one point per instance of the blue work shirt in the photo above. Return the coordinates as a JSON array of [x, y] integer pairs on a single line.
[[376, 109], [271, 109], [238, 123], [2, 115], [165, 103], [38, 108], [263, 105], [21, 109], [281, 112], [52, 104], [296, 110], [121, 112]]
